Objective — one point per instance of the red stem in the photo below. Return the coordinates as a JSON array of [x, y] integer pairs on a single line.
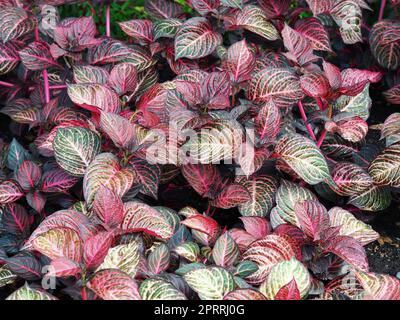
[[320, 103], [83, 293], [6, 84], [322, 138], [108, 21], [382, 10], [308, 126]]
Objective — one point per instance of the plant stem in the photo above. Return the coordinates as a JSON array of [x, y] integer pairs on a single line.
[[6, 84], [108, 21], [320, 103], [382, 10], [83, 293], [46, 86], [308, 126], [321, 138], [58, 87]]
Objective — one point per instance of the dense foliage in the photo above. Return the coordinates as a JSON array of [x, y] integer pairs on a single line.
[[128, 163]]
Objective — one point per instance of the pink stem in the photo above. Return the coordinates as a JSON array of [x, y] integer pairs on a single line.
[[83, 294], [382, 10], [6, 84], [108, 21], [46, 86], [44, 73], [320, 103], [308, 126], [58, 87], [322, 138]]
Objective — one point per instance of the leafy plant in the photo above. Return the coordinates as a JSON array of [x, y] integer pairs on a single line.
[[129, 160]]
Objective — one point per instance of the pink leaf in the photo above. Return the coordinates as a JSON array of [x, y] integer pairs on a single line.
[[203, 224], [231, 196], [108, 207], [239, 61], [312, 217], [28, 175], [96, 248], [289, 291], [258, 227]]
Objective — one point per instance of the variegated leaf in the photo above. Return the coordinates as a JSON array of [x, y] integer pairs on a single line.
[[282, 274], [28, 175], [299, 47], [373, 199], [352, 227], [139, 29], [303, 157], [281, 85], [94, 97], [274, 8], [253, 18], [315, 84], [124, 257], [379, 286], [188, 250], [225, 252], [75, 148], [10, 191], [113, 284], [203, 224], [28, 293], [232, 3], [123, 78], [348, 16], [391, 126], [139, 217], [106, 171], [159, 259], [218, 141], [245, 294], [37, 56], [211, 283], [108, 207], [231, 196], [15, 22], [393, 95], [385, 43], [57, 180], [96, 248], [9, 57], [205, 7], [350, 179], [268, 121], [204, 178], [166, 28], [266, 253], [286, 198], [162, 9], [262, 190], [348, 249], [314, 31], [312, 218], [6, 277], [258, 227], [90, 74], [147, 175], [159, 289], [385, 169], [239, 61], [60, 242], [196, 39]]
